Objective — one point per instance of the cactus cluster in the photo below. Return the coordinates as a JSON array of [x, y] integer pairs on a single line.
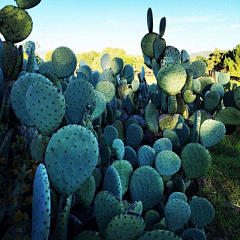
[[115, 156]]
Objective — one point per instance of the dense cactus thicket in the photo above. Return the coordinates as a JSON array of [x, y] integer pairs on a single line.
[[104, 155]]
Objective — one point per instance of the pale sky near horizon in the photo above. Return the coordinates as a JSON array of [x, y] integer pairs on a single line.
[[88, 25]]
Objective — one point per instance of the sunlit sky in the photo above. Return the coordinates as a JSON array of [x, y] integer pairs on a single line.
[[85, 25]]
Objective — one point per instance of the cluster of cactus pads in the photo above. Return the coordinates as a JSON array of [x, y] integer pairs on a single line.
[[116, 156]]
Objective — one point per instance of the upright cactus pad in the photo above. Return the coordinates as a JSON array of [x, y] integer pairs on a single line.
[[193, 233], [106, 206], [146, 185], [150, 20], [178, 195], [236, 96], [64, 62], [125, 171], [177, 214], [228, 116], [130, 155], [223, 78], [110, 134], [151, 117], [112, 182], [116, 65], [162, 144], [106, 61], [162, 26], [172, 78], [46, 107], [146, 156], [147, 44], [202, 210], [211, 132], [41, 204], [71, 156], [196, 160], [134, 135], [16, 24], [108, 89], [173, 53], [118, 147], [131, 224], [88, 234]]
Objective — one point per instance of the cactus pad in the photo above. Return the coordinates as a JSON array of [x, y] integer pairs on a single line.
[[198, 68], [146, 156], [108, 89], [160, 235]]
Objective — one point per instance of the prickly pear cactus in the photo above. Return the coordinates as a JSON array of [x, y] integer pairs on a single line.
[[160, 235], [26, 4], [71, 156]]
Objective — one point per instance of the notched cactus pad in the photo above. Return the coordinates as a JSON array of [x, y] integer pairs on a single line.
[[41, 204], [71, 156]]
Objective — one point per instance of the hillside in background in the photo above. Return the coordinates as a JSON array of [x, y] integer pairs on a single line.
[[202, 54]]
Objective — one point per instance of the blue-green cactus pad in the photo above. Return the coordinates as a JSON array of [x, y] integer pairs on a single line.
[[177, 214], [177, 195], [167, 163], [202, 210], [18, 93], [174, 53], [223, 78], [162, 144], [106, 206], [118, 147], [64, 62], [79, 94], [71, 156], [147, 44], [112, 182], [196, 160], [86, 70], [46, 106], [136, 207], [146, 185], [106, 61], [125, 226], [100, 105], [183, 133], [193, 234], [151, 217], [95, 77], [108, 89], [130, 155], [117, 65], [46, 66], [198, 68], [110, 133], [218, 87], [125, 171], [236, 96], [151, 117], [134, 135], [146, 156], [159, 47], [211, 132], [160, 235], [128, 71], [172, 136], [172, 78], [211, 100], [41, 204]]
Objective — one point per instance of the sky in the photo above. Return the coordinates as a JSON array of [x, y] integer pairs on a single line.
[[93, 25]]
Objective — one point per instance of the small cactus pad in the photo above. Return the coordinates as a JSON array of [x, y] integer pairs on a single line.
[[117, 65], [183, 133], [160, 235], [211, 132], [110, 134], [198, 68], [16, 24], [173, 53], [193, 233], [118, 147], [162, 144], [211, 100], [41, 204], [46, 106], [228, 116], [71, 156], [172, 78], [146, 185], [150, 20], [125, 172], [202, 210], [147, 44], [178, 195], [236, 96], [106, 206], [151, 217], [108, 89], [167, 163], [87, 235], [130, 155], [100, 106], [134, 135], [106, 61], [112, 182], [162, 26], [26, 4], [177, 214], [125, 226], [168, 121], [151, 117], [196, 160], [146, 156], [223, 78], [85, 69], [64, 62]]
